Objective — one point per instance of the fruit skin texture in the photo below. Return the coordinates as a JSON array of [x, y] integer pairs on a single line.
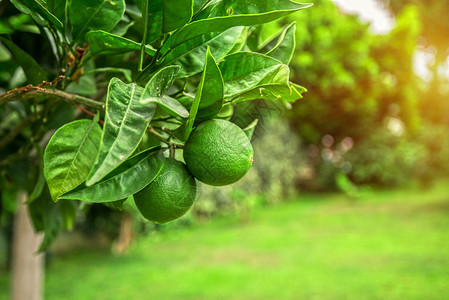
[[169, 196], [218, 152]]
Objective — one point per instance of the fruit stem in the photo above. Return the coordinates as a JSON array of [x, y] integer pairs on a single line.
[[145, 33], [163, 139]]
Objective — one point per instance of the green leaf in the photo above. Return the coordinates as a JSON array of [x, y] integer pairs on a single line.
[[57, 8], [249, 75], [209, 95], [220, 15], [87, 15], [167, 15], [34, 73], [39, 7], [129, 178], [240, 42], [39, 187], [171, 106], [190, 55], [126, 120], [53, 225], [284, 49], [68, 214], [117, 205], [70, 154], [129, 109], [34, 14], [158, 85], [249, 130], [107, 43]]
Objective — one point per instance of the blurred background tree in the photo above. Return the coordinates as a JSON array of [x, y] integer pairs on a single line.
[[433, 41], [367, 112]]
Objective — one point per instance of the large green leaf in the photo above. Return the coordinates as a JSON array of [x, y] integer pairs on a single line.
[[158, 85], [57, 8], [209, 95], [190, 55], [170, 105], [40, 7], [107, 43], [21, 6], [247, 74], [220, 15], [126, 120], [87, 15], [167, 15], [34, 73], [129, 109], [284, 49], [70, 154], [129, 178]]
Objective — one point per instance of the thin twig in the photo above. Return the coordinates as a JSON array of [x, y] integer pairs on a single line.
[[31, 92]]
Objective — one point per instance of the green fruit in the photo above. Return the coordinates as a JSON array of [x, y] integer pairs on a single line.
[[169, 196], [218, 152]]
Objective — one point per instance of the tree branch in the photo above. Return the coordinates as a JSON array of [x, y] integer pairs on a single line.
[[30, 92]]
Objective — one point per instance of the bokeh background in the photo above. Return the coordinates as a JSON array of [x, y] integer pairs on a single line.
[[348, 197]]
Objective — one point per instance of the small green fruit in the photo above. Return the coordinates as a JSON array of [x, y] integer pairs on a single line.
[[218, 152], [169, 196]]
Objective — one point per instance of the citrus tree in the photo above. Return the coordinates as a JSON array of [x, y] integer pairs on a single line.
[[98, 97]]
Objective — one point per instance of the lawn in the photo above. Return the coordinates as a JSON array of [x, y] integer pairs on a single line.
[[387, 245]]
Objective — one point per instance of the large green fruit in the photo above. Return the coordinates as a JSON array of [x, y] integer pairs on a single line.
[[218, 152], [169, 196]]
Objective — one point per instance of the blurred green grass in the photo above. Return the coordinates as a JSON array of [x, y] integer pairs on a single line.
[[385, 245]]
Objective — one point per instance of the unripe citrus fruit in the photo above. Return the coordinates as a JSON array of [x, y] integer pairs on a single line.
[[218, 152], [169, 196]]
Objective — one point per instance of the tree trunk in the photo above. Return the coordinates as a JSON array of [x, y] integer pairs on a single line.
[[27, 265], [125, 237]]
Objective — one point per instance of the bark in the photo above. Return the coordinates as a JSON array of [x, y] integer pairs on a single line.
[[27, 265]]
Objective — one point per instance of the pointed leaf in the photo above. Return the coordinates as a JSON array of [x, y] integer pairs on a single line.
[[87, 15], [126, 119], [117, 205], [171, 106], [249, 75], [209, 95], [284, 49], [40, 7], [220, 15], [34, 73], [107, 43], [70, 154], [190, 55], [57, 8], [158, 85], [39, 187], [129, 109], [31, 12], [167, 15], [129, 178]]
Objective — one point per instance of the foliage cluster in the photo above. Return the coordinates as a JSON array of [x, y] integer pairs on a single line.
[[148, 72]]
